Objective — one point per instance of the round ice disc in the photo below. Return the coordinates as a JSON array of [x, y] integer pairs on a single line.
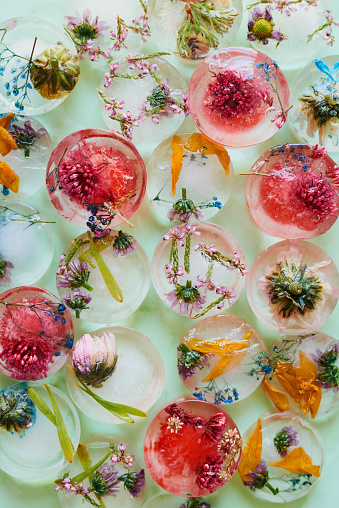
[[88, 291], [125, 484], [308, 360], [205, 180], [30, 159], [36, 333], [198, 269], [218, 359], [236, 96], [286, 31], [293, 192], [96, 175], [192, 448], [39, 65], [287, 457], [171, 23], [156, 99], [26, 245], [137, 380], [170, 501], [293, 285], [34, 452], [315, 97]]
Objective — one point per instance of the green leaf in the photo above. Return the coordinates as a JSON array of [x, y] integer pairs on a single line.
[[119, 410], [65, 441], [83, 455], [85, 474], [110, 281], [41, 404]]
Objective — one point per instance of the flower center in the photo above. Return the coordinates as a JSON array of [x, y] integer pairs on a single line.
[[157, 99], [262, 28], [85, 31], [187, 293], [295, 288]]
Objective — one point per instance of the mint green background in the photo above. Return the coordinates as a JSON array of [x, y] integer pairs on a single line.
[[153, 319]]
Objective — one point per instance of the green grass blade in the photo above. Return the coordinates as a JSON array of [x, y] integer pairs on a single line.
[[41, 405], [65, 441]]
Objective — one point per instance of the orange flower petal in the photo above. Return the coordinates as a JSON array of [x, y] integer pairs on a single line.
[[199, 143], [251, 453], [8, 178], [233, 359], [298, 462], [278, 398], [177, 146], [306, 366], [220, 347], [7, 143], [6, 120]]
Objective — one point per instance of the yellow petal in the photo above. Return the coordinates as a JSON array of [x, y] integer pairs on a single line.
[[8, 178], [298, 462], [199, 143], [6, 120], [278, 398], [7, 143], [177, 146], [220, 347], [251, 453], [228, 361]]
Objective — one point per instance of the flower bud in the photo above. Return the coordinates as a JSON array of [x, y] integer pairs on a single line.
[[95, 358]]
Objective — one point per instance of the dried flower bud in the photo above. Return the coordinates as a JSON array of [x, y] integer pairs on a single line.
[[94, 358]]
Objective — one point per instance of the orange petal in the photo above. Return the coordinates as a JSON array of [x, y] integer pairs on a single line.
[[199, 143], [251, 453], [307, 367], [177, 146], [315, 400], [7, 143], [219, 368], [220, 347], [298, 462], [278, 398], [6, 120], [8, 178]]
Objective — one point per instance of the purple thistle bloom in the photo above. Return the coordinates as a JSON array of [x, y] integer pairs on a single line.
[[285, 438], [134, 482], [74, 275], [187, 298], [5, 271], [123, 244], [77, 301], [259, 476], [25, 137], [184, 217], [105, 482]]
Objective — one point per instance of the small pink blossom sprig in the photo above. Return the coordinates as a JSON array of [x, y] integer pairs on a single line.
[[328, 36], [70, 487], [160, 103], [139, 26], [283, 6], [180, 235], [212, 255], [119, 455]]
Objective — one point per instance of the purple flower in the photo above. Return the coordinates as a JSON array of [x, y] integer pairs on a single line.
[[105, 482], [77, 301], [25, 137], [171, 275], [134, 482], [173, 214], [259, 477], [73, 275], [226, 294], [187, 298], [83, 28], [68, 487], [285, 438], [261, 27], [5, 271], [123, 244]]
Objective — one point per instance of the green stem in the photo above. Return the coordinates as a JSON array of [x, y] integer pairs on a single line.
[[187, 253], [272, 489]]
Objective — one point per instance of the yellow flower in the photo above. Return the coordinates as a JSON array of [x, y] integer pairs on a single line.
[[301, 383], [298, 462], [251, 454]]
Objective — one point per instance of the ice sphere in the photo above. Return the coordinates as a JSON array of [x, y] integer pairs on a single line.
[[137, 380], [282, 30], [83, 288], [29, 161], [299, 197], [217, 359], [192, 448], [35, 453], [96, 172], [39, 66], [315, 97], [198, 269], [291, 459], [170, 501], [205, 179], [293, 285], [36, 333], [122, 496], [311, 360], [26, 245], [149, 92], [193, 29], [238, 97], [101, 19]]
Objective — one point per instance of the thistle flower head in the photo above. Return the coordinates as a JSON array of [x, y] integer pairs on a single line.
[[94, 358], [105, 481], [17, 410]]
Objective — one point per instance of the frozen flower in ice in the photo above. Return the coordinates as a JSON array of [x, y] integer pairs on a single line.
[[105, 481], [134, 482], [259, 477], [189, 360], [187, 298], [328, 371], [261, 27], [171, 275], [119, 455], [317, 195], [68, 487], [123, 244], [17, 410], [285, 438], [73, 275], [230, 442], [5, 271], [174, 424], [25, 137], [183, 209], [208, 477], [94, 358], [225, 294], [206, 284], [83, 28], [77, 301]]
